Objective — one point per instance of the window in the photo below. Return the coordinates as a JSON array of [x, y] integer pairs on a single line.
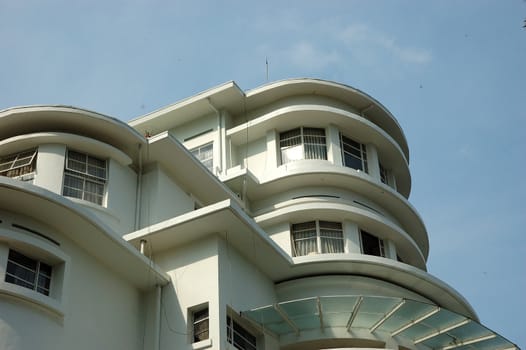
[[84, 177], [372, 245], [18, 164], [238, 336], [383, 175], [205, 154], [354, 154], [302, 143], [200, 325], [317, 237], [29, 273]]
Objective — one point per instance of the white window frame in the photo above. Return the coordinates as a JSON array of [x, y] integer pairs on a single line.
[[18, 164], [318, 226], [200, 153], [348, 145], [384, 174], [86, 177], [39, 274], [236, 330], [295, 147], [381, 244], [200, 316]]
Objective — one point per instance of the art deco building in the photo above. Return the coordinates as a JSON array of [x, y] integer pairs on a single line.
[[276, 218]]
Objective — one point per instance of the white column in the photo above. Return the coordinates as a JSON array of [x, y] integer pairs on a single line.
[[50, 167], [373, 162], [222, 143], [390, 249], [272, 151], [334, 152]]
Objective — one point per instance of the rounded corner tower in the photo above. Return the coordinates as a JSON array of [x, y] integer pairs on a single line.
[[322, 169]]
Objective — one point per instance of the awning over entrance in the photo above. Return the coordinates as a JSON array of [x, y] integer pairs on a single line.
[[419, 322]]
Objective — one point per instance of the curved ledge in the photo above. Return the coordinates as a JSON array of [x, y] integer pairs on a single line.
[[309, 114], [381, 226], [32, 297], [65, 119], [388, 270], [81, 143], [83, 227], [376, 112], [307, 173]]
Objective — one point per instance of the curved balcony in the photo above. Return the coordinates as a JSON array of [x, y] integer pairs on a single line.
[[64, 119], [367, 105], [305, 209], [95, 147], [321, 116], [316, 173]]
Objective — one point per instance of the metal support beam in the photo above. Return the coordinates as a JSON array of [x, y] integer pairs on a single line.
[[442, 331], [415, 321], [387, 315], [354, 312], [286, 318], [320, 313], [469, 341]]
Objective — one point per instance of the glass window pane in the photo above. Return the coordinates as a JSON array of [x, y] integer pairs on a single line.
[[29, 273], [84, 177], [371, 244]]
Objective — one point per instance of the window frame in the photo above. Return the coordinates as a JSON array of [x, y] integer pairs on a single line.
[[356, 146], [384, 174], [204, 319], [319, 225], [303, 140], [85, 177], [20, 280], [233, 328], [381, 244], [27, 167], [198, 151]]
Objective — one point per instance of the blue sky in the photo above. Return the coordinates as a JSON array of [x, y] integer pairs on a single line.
[[452, 72]]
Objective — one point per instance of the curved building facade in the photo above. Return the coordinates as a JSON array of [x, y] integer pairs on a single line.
[[275, 218]]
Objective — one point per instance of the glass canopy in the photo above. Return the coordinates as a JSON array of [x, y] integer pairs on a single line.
[[421, 323]]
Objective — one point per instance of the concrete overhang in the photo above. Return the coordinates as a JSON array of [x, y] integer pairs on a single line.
[[388, 270], [227, 96], [231, 98], [282, 119], [226, 219], [373, 109], [229, 221], [315, 173], [100, 149], [64, 119], [188, 171], [307, 209], [83, 228]]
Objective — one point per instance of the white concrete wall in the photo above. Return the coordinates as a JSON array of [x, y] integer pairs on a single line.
[[50, 167], [254, 156], [194, 272], [161, 197], [242, 286], [196, 127], [119, 208], [100, 309], [121, 192]]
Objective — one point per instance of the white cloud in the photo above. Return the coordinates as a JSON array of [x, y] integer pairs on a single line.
[[361, 37], [305, 55]]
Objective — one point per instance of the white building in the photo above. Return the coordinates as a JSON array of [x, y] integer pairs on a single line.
[[289, 229]]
